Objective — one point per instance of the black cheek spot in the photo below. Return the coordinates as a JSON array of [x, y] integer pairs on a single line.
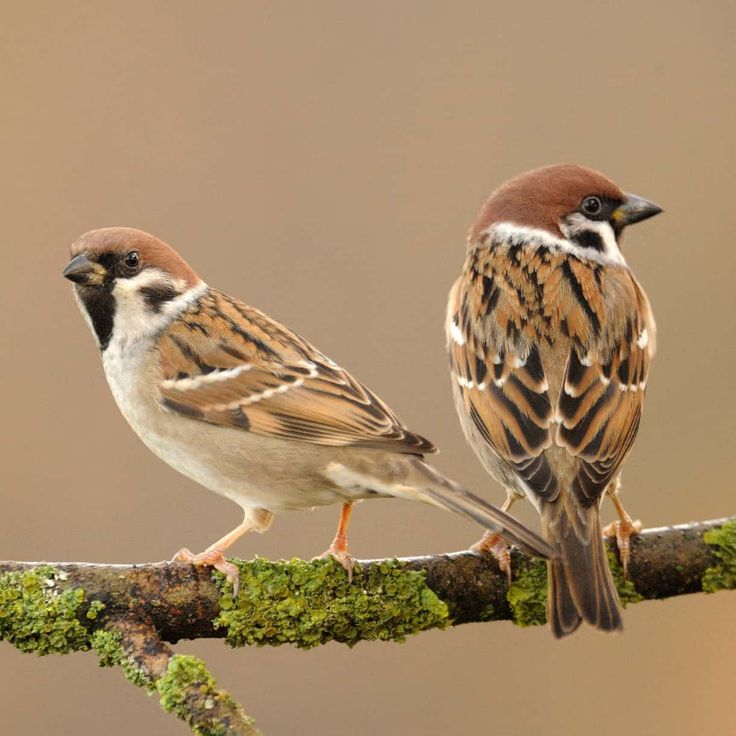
[[157, 295], [589, 239]]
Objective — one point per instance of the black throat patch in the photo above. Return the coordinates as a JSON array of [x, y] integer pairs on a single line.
[[100, 305]]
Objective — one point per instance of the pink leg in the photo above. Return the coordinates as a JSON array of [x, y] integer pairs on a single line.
[[492, 543], [339, 547], [214, 556], [623, 529]]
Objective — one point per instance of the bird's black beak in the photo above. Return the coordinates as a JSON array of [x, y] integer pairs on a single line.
[[82, 270], [635, 209]]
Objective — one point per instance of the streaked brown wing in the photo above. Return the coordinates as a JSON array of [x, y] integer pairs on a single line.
[[230, 365], [505, 393], [600, 409]]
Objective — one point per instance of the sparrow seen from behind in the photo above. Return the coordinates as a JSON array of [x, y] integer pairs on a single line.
[[550, 338], [244, 406]]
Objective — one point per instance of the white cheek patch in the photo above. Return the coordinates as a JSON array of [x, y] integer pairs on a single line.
[[134, 322], [509, 234], [577, 223]]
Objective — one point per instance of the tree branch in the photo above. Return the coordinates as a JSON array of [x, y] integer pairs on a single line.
[[183, 683], [126, 612]]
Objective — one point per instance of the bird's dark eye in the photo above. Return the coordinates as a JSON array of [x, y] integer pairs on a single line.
[[591, 206], [132, 260]]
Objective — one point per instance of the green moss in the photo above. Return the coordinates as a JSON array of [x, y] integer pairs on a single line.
[[187, 680], [627, 592], [310, 603], [527, 594], [107, 647], [95, 609], [36, 616], [723, 543]]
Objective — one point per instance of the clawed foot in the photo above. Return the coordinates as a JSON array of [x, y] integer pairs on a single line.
[[343, 557], [212, 557], [493, 544], [623, 530]]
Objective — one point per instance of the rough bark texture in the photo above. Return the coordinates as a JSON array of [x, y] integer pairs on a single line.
[[182, 602], [127, 612], [183, 683]]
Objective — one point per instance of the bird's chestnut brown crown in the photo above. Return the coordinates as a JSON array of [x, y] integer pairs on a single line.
[[544, 197], [101, 256]]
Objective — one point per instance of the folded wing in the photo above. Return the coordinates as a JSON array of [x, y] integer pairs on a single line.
[[230, 365]]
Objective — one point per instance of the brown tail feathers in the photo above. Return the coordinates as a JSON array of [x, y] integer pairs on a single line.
[[580, 584], [432, 487]]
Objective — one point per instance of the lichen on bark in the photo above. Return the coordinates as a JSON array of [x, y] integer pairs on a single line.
[[189, 691], [722, 542], [627, 592], [128, 612], [36, 616], [110, 653], [309, 603], [527, 594]]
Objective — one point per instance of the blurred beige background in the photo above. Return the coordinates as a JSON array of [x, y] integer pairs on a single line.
[[323, 161]]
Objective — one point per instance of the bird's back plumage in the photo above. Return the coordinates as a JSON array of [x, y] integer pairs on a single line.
[[549, 351]]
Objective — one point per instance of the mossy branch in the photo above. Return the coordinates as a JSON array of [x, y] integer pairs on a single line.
[[126, 612], [184, 685]]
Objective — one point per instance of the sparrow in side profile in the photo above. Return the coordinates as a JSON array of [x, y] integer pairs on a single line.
[[243, 405], [550, 338]]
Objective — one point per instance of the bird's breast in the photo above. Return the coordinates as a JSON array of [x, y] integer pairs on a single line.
[[253, 471]]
